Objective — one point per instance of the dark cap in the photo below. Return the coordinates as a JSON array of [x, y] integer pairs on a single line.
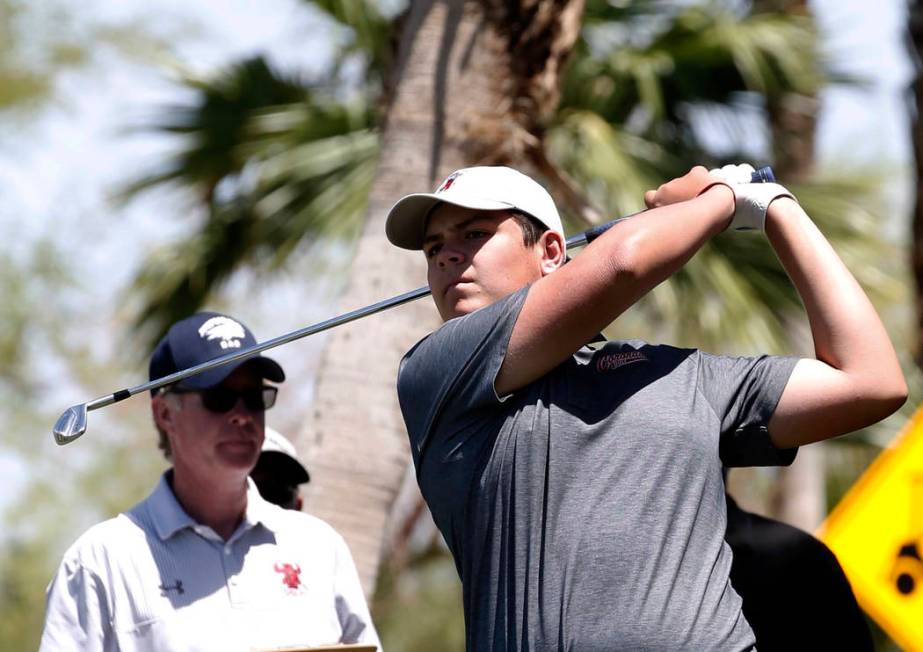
[[276, 448], [203, 337]]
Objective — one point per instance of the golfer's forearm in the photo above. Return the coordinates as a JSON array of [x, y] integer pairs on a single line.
[[848, 334], [636, 255], [657, 244]]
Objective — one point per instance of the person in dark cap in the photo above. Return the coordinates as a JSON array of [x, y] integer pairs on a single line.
[[205, 563], [278, 473]]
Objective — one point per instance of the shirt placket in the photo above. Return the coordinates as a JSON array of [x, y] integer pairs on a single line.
[[231, 565]]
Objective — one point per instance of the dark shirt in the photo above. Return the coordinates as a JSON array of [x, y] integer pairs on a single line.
[[796, 596]]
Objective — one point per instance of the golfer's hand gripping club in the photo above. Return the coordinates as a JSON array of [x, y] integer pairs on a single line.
[[73, 422], [762, 175]]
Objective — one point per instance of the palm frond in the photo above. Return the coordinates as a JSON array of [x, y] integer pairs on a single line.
[[696, 53], [372, 33], [214, 125], [613, 167], [734, 295], [302, 174]]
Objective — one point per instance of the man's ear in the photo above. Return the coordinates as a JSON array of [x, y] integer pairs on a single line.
[[553, 250], [163, 411]]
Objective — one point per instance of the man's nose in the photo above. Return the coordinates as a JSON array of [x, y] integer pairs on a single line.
[[449, 255], [240, 413]]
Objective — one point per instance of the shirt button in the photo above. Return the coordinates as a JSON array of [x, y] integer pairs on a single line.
[[227, 550]]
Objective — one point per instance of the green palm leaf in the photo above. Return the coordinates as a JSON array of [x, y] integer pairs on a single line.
[[274, 177], [372, 35], [292, 162]]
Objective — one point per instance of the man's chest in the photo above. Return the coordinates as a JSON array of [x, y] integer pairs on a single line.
[[188, 593], [616, 413]]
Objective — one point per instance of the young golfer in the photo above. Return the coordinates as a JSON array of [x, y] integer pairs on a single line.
[[579, 486]]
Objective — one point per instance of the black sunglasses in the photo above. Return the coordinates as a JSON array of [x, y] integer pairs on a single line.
[[223, 399]]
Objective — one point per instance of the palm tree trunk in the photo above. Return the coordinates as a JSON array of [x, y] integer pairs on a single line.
[[792, 116], [915, 32], [454, 103], [798, 495]]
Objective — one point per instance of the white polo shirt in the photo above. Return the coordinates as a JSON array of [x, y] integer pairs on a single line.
[[153, 579]]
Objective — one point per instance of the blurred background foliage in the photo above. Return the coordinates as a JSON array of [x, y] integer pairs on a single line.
[[279, 165]]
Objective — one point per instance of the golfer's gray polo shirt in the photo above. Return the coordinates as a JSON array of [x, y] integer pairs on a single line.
[[586, 510], [153, 579]]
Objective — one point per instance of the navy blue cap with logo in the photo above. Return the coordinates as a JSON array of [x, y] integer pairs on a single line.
[[202, 337]]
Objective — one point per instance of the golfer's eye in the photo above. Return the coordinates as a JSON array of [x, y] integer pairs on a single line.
[[432, 251], [475, 234]]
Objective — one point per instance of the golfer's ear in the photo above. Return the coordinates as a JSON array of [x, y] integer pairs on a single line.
[[553, 251]]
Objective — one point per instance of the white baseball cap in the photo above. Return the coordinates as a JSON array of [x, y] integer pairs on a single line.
[[275, 443], [480, 188]]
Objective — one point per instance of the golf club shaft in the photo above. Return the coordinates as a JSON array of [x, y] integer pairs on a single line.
[[109, 399], [761, 175], [268, 344]]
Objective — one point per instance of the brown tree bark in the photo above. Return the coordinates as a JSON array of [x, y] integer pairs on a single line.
[[792, 116], [472, 85], [797, 497], [915, 45]]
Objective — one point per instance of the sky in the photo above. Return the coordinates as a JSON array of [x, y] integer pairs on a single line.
[[58, 170], [865, 39]]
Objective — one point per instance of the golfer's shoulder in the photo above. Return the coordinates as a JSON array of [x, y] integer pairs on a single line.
[[431, 352], [492, 322], [440, 354]]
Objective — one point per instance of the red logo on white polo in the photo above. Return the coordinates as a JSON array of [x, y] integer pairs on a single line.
[[613, 361], [290, 575]]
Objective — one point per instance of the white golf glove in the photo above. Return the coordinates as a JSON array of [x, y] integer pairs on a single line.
[[752, 199]]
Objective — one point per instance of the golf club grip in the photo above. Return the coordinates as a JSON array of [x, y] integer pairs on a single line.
[[763, 175]]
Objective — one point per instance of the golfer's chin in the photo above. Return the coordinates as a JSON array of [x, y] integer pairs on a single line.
[[457, 306]]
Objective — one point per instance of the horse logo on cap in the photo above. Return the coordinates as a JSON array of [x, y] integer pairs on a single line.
[[225, 329]]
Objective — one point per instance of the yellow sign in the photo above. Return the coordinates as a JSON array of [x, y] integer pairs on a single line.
[[877, 534]]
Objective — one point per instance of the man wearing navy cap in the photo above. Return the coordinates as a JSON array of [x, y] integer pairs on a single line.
[[205, 563]]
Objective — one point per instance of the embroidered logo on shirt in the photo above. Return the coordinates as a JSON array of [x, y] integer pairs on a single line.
[[290, 575], [178, 587], [613, 361]]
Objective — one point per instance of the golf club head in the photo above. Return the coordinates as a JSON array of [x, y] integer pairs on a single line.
[[71, 424]]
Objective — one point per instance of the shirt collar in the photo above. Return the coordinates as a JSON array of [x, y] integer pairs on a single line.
[[169, 516], [259, 510]]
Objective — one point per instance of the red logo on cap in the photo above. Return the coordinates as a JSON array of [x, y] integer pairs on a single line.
[[290, 574], [448, 182]]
